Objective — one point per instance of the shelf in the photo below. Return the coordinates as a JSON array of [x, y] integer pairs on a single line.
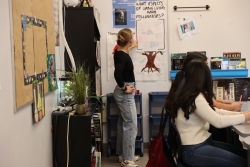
[[112, 142], [155, 119], [111, 99], [158, 96], [173, 74], [112, 119], [239, 73], [230, 73]]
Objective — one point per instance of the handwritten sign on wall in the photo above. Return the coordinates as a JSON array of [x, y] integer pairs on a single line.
[[150, 25]]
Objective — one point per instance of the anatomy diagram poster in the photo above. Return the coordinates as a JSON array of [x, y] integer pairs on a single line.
[[148, 66]]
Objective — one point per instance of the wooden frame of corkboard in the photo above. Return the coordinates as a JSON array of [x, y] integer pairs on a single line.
[[33, 38]]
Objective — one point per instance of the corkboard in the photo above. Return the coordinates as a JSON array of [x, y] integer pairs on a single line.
[[38, 43]]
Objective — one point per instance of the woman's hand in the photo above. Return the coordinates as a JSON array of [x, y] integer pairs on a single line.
[[236, 106], [130, 89], [247, 115]]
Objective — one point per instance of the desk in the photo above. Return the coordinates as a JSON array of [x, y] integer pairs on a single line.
[[244, 130], [245, 106]]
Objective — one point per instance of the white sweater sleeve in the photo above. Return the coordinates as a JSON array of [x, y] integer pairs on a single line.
[[226, 112], [217, 120]]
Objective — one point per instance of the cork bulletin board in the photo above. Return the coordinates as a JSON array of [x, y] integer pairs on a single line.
[[33, 39]]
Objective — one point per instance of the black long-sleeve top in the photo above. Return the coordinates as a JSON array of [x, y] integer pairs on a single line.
[[124, 68]]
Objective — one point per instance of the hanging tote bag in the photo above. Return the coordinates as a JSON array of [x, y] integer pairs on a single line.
[[159, 153]]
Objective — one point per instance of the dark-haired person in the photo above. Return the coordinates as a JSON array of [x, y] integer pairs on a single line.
[[193, 112], [179, 80], [178, 83], [124, 96]]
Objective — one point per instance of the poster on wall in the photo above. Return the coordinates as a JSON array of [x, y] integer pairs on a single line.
[[150, 25], [148, 65], [56, 21], [51, 64], [29, 25], [188, 27], [39, 101], [124, 13]]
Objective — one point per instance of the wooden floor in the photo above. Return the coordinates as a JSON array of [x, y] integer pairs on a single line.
[[112, 161]]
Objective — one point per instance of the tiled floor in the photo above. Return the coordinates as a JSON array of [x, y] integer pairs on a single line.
[[112, 161]]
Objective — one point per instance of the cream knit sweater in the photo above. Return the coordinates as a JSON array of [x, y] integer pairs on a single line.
[[195, 129]]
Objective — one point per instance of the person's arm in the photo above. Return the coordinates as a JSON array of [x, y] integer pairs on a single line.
[[217, 120], [224, 101], [226, 106], [226, 112]]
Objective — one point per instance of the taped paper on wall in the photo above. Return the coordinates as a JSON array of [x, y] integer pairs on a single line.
[[148, 66], [150, 25], [188, 27]]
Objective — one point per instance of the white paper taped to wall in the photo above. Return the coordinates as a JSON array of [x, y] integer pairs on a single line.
[[150, 25]]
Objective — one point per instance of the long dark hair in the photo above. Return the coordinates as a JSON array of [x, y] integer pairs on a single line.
[[180, 75], [198, 80]]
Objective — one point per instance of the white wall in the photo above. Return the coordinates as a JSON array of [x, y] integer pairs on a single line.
[[22, 143], [105, 9], [225, 27]]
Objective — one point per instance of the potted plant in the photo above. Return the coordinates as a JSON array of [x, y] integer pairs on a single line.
[[79, 88], [79, 84]]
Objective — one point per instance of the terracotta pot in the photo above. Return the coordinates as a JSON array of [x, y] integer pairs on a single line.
[[80, 109]]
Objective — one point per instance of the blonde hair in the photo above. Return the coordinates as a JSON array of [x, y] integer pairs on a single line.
[[124, 36]]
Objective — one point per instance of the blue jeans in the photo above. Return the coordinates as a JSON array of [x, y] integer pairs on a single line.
[[213, 154], [127, 123]]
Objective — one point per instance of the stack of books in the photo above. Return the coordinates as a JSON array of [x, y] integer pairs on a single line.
[[97, 130], [230, 60]]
